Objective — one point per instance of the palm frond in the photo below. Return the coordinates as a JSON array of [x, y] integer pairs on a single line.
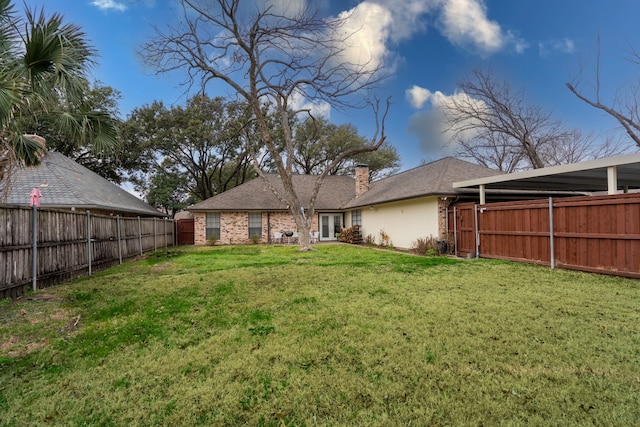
[[26, 150], [56, 54], [94, 128], [9, 23]]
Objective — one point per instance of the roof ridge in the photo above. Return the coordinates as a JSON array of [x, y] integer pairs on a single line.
[[445, 168]]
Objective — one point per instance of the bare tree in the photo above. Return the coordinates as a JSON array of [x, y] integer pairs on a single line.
[[273, 57], [577, 146], [625, 108], [493, 150], [489, 117], [495, 126]]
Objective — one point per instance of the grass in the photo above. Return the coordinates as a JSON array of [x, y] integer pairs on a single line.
[[268, 336]]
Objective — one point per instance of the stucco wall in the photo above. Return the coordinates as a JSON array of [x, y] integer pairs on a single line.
[[403, 222]]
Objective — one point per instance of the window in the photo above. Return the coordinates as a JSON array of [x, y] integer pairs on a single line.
[[356, 218], [213, 225], [255, 224]]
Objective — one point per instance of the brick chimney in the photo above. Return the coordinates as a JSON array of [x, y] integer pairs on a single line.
[[362, 179]]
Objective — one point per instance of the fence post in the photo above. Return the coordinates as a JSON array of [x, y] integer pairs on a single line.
[[551, 241], [477, 232], [140, 234], [155, 233], [89, 240], [119, 242], [165, 232], [34, 250], [455, 231]]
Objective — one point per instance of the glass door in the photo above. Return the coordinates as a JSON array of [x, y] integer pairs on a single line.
[[330, 225]]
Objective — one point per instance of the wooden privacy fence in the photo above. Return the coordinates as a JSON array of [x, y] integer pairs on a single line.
[[597, 233], [69, 244]]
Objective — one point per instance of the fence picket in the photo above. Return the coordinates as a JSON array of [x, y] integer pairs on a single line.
[[69, 245]]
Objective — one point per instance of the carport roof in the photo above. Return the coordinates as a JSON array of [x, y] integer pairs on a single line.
[[590, 176]]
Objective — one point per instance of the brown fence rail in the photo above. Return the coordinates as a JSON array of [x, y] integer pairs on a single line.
[[597, 233], [69, 245]]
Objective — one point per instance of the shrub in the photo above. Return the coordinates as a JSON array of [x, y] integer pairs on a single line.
[[384, 239], [432, 246], [425, 246], [211, 241], [370, 240], [255, 239]]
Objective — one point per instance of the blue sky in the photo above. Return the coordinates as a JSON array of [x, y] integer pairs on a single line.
[[538, 45]]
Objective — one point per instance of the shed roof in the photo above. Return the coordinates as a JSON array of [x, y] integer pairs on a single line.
[[589, 176], [66, 184]]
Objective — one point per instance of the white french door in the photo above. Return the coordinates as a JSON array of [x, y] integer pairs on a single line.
[[330, 224]]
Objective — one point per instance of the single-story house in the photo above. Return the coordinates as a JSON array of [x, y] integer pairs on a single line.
[[406, 206], [65, 184]]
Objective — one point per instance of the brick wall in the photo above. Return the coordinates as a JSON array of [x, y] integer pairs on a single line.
[[443, 205], [362, 179], [234, 226], [199, 228]]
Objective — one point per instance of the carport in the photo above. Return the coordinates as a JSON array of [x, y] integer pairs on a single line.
[[599, 232], [610, 175]]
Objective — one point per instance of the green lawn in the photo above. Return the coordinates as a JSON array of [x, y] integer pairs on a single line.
[[261, 335]]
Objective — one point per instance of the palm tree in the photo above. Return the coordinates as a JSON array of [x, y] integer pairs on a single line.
[[43, 69]]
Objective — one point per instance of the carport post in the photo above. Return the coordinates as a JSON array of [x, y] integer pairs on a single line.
[[551, 242], [612, 180], [483, 197]]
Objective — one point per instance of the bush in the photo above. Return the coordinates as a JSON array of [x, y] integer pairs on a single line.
[[211, 241], [256, 239], [370, 240], [432, 246], [425, 246], [384, 239]]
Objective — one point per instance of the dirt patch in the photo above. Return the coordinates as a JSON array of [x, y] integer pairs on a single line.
[[17, 347], [42, 296]]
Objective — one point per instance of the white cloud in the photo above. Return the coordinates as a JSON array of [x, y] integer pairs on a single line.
[[418, 96], [465, 22], [109, 5], [379, 24], [407, 16], [367, 29], [317, 108], [430, 124], [561, 45]]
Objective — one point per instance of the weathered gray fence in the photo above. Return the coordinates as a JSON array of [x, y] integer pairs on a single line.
[[69, 245]]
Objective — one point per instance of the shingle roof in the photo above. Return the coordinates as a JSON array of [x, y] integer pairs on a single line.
[[336, 191], [64, 183], [434, 178]]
